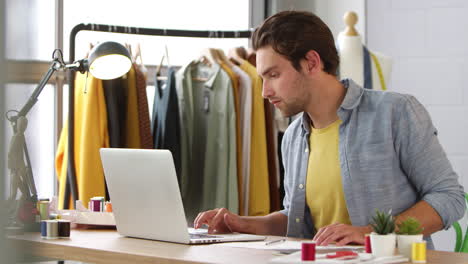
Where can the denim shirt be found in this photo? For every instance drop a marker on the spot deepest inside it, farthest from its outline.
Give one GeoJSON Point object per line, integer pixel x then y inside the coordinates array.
{"type": "Point", "coordinates": [390, 158]}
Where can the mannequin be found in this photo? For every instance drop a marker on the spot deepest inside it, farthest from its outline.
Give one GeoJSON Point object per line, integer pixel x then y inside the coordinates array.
{"type": "Point", "coordinates": [352, 58]}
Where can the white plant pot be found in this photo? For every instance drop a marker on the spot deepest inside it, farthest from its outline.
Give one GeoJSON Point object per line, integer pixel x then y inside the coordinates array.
{"type": "Point", "coordinates": [383, 245]}
{"type": "Point", "coordinates": [405, 243]}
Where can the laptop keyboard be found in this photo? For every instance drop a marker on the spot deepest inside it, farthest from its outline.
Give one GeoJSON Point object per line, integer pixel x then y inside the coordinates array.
{"type": "Point", "coordinates": [196, 236]}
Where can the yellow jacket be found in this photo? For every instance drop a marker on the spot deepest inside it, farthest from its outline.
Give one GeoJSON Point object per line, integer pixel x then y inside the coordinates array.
{"type": "Point", "coordinates": [91, 134]}
{"type": "Point", "coordinates": [259, 190]}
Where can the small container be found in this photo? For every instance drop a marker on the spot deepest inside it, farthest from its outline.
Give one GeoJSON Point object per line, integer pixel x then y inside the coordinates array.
{"type": "Point", "coordinates": [308, 251]}
{"type": "Point", "coordinates": [367, 244]}
{"type": "Point", "coordinates": [418, 252]}
{"type": "Point", "coordinates": [43, 209]}
{"type": "Point", "coordinates": [96, 205]}
{"type": "Point", "coordinates": [49, 229]}
{"type": "Point", "coordinates": [63, 228]}
{"type": "Point", "coordinates": [108, 207]}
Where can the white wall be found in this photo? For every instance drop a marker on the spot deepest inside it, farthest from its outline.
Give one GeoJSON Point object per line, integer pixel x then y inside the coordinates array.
{"type": "Point", "coordinates": [330, 11]}
{"type": "Point", "coordinates": [428, 42]}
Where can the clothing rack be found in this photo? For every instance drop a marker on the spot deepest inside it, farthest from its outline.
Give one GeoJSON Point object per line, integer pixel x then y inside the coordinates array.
{"type": "Point", "coordinates": [71, 185]}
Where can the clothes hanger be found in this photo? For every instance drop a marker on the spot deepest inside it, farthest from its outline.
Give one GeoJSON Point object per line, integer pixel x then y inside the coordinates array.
{"type": "Point", "coordinates": [129, 47]}
{"type": "Point", "coordinates": [167, 56]}
{"type": "Point", "coordinates": [252, 57]}
{"type": "Point", "coordinates": [237, 55]}
{"type": "Point", "coordinates": [137, 56]}
{"type": "Point", "coordinates": [210, 56]}
{"type": "Point", "coordinates": [223, 58]}
{"type": "Point", "coordinates": [91, 46]}
{"type": "Point", "coordinates": [158, 69]}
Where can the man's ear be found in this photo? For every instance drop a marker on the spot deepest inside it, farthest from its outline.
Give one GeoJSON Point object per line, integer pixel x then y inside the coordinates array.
{"type": "Point", "coordinates": [313, 62]}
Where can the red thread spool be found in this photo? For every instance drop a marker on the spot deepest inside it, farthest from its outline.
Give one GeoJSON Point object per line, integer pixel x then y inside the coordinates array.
{"type": "Point", "coordinates": [308, 251]}
{"type": "Point", "coordinates": [367, 244]}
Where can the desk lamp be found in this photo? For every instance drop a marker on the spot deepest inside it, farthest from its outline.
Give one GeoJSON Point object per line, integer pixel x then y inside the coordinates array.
{"type": "Point", "coordinates": [107, 60]}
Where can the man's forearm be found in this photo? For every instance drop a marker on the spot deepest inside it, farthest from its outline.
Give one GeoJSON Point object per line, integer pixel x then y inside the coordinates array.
{"type": "Point", "coordinates": [427, 216]}
{"type": "Point", "coordinates": [272, 224]}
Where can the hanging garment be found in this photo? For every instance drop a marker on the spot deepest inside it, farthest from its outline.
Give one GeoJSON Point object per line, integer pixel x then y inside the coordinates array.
{"type": "Point", "coordinates": [143, 111]}
{"type": "Point", "coordinates": [132, 119]}
{"type": "Point", "coordinates": [208, 139]}
{"type": "Point", "coordinates": [271, 135]}
{"type": "Point", "coordinates": [116, 104]}
{"type": "Point", "coordinates": [91, 134]}
{"type": "Point", "coordinates": [259, 198]}
{"type": "Point", "coordinates": [166, 122]}
{"type": "Point", "coordinates": [245, 116]}
{"type": "Point", "coordinates": [235, 89]}
{"type": "Point", "coordinates": [115, 96]}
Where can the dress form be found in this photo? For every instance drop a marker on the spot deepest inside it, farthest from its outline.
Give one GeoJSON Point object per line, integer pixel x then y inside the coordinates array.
{"type": "Point", "coordinates": [351, 52]}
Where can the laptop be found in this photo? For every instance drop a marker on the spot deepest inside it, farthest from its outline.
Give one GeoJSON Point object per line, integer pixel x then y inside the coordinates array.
{"type": "Point", "coordinates": [146, 199]}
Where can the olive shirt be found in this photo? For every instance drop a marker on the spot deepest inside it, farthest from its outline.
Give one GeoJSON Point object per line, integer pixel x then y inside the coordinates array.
{"type": "Point", "coordinates": [208, 139]}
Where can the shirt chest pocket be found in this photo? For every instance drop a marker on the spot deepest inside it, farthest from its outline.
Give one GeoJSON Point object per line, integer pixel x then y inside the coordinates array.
{"type": "Point", "coordinates": [377, 157]}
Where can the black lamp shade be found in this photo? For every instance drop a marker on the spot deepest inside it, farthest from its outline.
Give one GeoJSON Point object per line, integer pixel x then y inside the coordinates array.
{"type": "Point", "coordinates": [109, 60]}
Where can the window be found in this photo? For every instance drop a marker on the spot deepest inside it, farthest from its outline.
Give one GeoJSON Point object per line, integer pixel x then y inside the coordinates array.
{"type": "Point", "coordinates": [31, 34]}
{"type": "Point", "coordinates": [174, 14]}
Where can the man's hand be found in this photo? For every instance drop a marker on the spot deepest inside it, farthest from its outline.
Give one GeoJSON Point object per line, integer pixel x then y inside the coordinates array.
{"type": "Point", "coordinates": [222, 221]}
{"type": "Point", "coordinates": [341, 234]}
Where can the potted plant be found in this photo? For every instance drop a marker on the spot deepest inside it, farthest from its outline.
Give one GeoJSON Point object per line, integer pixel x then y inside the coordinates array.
{"type": "Point", "coordinates": [383, 239]}
{"type": "Point", "coordinates": [409, 231]}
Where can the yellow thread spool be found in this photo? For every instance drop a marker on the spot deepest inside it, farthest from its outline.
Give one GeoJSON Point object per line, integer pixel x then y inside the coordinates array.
{"type": "Point", "coordinates": [44, 209]}
{"type": "Point", "coordinates": [419, 252]}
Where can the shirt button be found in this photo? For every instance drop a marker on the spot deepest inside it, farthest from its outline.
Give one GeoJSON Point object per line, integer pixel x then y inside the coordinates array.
{"type": "Point", "coordinates": [298, 220]}
{"type": "Point", "coordinates": [301, 186]}
{"type": "Point", "coordinates": [306, 150]}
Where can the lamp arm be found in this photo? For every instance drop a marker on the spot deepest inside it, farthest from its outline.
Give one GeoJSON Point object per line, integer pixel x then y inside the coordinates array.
{"type": "Point", "coordinates": [56, 65]}
{"type": "Point", "coordinates": [28, 185]}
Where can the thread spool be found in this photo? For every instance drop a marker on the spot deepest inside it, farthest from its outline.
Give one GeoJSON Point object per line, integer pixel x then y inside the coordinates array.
{"type": "Point", "coordinates": [63, 228]}
{"type": "Point", "coordinates": [308, 251]}
{"type": "Point", "coordinates": [43, 229]}
{"type": "Point", "coordinates": [95, 205]}
{"type": "Point", "coordinates": [41, 200]}
{"type": "Point", "coordinates": [53, 229]}
{"type": "Point", "coordinates": [367, 244]}
{"type": "Point", "coordinates": [43, 209]}
{"type": "Point", "coordinates": [49, 229]}
{"type": "Point", "coordinates": [418, 252]}
{"type": "Point", "coordinates": [108, 207]}
{"type": "Point", "coordinates": [53, 216]}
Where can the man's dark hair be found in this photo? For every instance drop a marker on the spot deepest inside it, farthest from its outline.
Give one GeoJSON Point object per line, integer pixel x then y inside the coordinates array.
{"type": "Point", "coordinates": [293, 33]}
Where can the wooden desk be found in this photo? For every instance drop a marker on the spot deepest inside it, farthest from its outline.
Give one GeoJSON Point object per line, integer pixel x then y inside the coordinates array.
{"type": "Point", "coordinates": [107, 246]}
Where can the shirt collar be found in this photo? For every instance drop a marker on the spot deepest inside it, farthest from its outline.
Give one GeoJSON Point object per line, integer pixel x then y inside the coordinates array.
{"type": "Point", "coordinates": [215, 69]}
{"type": "Point", "coordinates": [195, 63]}
{"type": "Point", "coordinates": [353, 94]}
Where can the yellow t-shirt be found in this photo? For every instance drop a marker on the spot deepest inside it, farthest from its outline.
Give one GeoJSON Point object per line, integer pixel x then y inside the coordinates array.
{"type": "Point", "coordinates": [324, 189]}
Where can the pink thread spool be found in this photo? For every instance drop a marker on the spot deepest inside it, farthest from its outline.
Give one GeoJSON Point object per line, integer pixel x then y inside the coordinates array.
{"type": "Point", "coordinates": [367, 244]}
{"type": "Point", "coordinates": [308, 251]}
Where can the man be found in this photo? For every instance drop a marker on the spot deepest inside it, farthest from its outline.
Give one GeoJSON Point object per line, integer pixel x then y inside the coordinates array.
{"type": "Point", "coordinates": [353, 151]}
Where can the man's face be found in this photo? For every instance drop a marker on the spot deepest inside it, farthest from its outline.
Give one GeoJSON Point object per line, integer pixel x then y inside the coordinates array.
{"type": "Point", "coordinates": [283, 85]}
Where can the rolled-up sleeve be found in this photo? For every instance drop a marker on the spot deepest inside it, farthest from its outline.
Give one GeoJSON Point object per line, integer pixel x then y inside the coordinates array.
{"type": "Point", "coordinates": [425, 162]}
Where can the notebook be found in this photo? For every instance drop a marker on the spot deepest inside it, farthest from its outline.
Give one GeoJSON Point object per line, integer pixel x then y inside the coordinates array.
{"type": "Point", "coordinates": [146, 200]}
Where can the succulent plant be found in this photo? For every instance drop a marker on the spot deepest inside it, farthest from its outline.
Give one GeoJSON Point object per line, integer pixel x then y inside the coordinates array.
{"type": "Point", "coordinates": [383, 223]}
{"type": "Point", "coordinates": [410, 226]}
